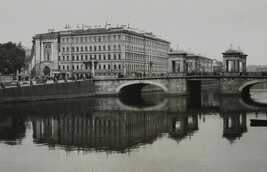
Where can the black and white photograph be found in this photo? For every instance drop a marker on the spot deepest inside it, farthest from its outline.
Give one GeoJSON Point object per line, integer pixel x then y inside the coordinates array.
{"type": "Point", "coordinates": [133, 85]}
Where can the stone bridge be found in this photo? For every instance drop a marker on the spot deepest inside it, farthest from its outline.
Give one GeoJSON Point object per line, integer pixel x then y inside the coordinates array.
{"type": "Point", "coordinates": [179, 85]}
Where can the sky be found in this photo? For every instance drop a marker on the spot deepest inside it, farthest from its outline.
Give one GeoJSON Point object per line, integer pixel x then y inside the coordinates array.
{"type": "Point", "coordinates": [207, 27]}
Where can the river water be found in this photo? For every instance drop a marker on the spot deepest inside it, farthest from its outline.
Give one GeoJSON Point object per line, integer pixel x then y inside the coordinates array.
{"type": "Point", "coordinates": [155, 133]}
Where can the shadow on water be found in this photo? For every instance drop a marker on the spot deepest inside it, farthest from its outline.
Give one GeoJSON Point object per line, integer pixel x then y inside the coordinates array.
{"type": "Point", "coordinates": [256, 98]}
{"type": "Point", "coordinates": [120, 124]}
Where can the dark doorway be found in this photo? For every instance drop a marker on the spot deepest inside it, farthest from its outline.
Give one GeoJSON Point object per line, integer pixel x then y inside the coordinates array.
{"type": "Point", "coordinates": [46, 70]}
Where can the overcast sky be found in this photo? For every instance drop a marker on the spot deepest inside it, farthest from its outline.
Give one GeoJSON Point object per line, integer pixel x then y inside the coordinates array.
{"type": "Point", "coordinates": [207, 27]}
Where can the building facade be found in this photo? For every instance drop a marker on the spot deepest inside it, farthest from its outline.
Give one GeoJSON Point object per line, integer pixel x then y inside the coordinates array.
{"type": "Point", "coordinates": [187, 62]}
{"type": "Point", "coordinates": [99, 51]}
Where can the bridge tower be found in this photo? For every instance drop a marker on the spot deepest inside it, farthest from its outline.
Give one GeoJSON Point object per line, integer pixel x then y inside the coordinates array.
{"type": "Point", "coordinates": [177, 61]}
{"type": "Point", "coordinates": [234, 61]}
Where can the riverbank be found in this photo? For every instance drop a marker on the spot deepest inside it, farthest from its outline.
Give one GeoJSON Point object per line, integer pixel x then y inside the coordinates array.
{"type": "Point", "coordinates": [48, 91]}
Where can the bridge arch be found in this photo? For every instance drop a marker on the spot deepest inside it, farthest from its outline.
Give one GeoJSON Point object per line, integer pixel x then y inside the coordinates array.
{"type": "Point", "coordinates": [244, 88]}
{"type": "Point", "coordinates": [141, 82]}
{"type": "Point", "coordinates": [249, 84]}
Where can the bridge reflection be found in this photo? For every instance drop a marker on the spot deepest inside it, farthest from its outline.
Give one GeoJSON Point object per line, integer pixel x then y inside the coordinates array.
{"type": "Point", "coordinates": [108, 124]}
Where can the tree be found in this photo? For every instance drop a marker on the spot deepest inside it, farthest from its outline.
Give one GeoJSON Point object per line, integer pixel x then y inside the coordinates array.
{"type": "Point", "coordinates": [12, 58]}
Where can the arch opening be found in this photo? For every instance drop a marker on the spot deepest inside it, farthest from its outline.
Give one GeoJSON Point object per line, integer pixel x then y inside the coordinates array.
{"type": "Point", "coordinates": [253, 92]}
{"type": "Point", "coordinates": [143, 94]}
{"type": "Point", "coordinates": [46, 71]}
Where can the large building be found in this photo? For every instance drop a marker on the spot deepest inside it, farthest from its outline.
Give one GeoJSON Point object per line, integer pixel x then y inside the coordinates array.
{"type": "Point", "coordinates": [99, 51]}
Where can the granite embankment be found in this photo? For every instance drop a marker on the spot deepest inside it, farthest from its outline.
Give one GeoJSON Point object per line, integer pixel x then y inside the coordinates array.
{"type": "Point", "coordinates": [47, 91]}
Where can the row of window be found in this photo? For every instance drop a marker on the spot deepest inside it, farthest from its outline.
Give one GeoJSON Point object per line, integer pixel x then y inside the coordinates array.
{"type": "Point", "coordinates": [92, 48]}
{"type": "Point", "coordinates": [152, 43]}
{"type": "Point", "coordinates": [90, 57]}
{"type": "Point", "coordinates": [101, 38]}
{"type": "Point", "coordinates": [86, 67]}
{"type": "Point", "coordinates": [102, 66]}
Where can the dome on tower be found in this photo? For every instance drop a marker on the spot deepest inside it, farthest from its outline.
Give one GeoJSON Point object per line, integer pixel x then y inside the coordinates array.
{"type": "Point", "coordinates": [231, 49]}
{"type": "Point", "coordinates": [177, 50]}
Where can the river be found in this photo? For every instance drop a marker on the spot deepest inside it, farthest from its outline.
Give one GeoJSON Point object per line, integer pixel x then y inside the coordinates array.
{"type": "Point", "coordinates": [155, 133]}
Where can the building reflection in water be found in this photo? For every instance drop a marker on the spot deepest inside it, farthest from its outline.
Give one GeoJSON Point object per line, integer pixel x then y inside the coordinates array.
{"type": "Point", "coordinates": [12, 129]}
{"type": "Point", "coordinates": [110, 130]}
{"type": "Point", "coordinates": [104, 124]}
{"type": "Point", "coordinates": [234, 125]}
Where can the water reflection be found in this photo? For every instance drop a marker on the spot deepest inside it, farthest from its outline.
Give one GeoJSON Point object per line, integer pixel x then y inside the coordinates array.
{"type": "Point", "coordinates": [111, 124]}
{"type": "Point", "coordinates": [12, 129]}
{"type": "Point", "coordinates": [234, 125]}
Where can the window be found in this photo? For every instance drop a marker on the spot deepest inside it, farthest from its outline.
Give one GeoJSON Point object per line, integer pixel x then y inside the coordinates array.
{"type": "Point", "coordinates": [86, 57]}
{"type": "Point", "coordinates": [67, 58]}
{"type": "Point", "coordinates": [86, 48]}
{"type": "Point", "coordinates": [90, 48]}
{"type": "Point", "coordinates": [63, 49]}
{"type": "Point", "coordinates": [77, 57]}
{"type": "Point", "coordinates": [77, 67]}
{"type": "Point", "coordinates": [99, 39]}
{"type": "Point", "coordinates": [77, 48]}
{"type": "Point", "coordinates": [104, 47]}
{"type": "Point", "coordinates": [81, 49]}
{"type": "Point", "coordinates": [104, 66]}
{"type": "Point", "coordinates": [99, 48]}
{"type": "Point", "coordinates": [63, 67]}
{"type": "Point", "coordinates": [94, 48]}
{"type": "Point", "coordinates": [114, 56]}
{"type": "Point", "coordinates": [72, 57]}
{"type": "Point", "coordinates": [109, 56]}
{"type": "Point", "coordinates": [67, 49]}
{"type": "Point", "coordinates": [104, 57]}
{"type": "Point", "coordinates": [67, 67]}
{"type": "Point", "coordinates": [119, 56]}
{"type": "Point", "coordinates": [99, 57]}
{"type": "Point", "coordinates": [81, 57]}
{"type": "Point", "coordinates": [114, 47]}
{"type": "Point", "coordinates": [109, 47]}
{"type": "Point", "coordinates": [58, 58]}
{"type": "Point", "coordinates": [63, 58]}
{"type": "Point", "coordinates": [119, 46]}
{"type": "Point", "coordinates": [114, 66]}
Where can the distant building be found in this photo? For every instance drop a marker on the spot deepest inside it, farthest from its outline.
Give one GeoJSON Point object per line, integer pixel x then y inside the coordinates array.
{"type": "Point", "coordinates": [99, 51]}
{"type": "Point", "coordinates": [187, 62]}
{"type": "Point", "coordinates": [217, 66]}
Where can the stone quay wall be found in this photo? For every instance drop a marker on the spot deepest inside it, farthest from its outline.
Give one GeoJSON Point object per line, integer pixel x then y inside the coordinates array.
{"type": "Point", "coordinates": [47, 91]}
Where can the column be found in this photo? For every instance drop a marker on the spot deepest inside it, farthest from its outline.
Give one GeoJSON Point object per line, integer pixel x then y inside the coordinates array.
{"type": "Point", "coordinates": [52, 51]}
{"type": "Point", "coordinates": [236, 66]}
{"type": "Point", "coordinates": [244, 67]}
{"type": "Point", "coordinates": [182, 66]}
{"type": "Point", "coordinates": [42, 51]}
{"type": "Point", "coordinates": [225, 65]}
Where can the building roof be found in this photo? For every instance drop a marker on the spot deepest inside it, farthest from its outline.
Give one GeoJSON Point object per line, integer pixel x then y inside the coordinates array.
{"type": "Point", "coordinates": [96, 31]}
{"type": "Point", "coordinates": [177, 51]}
{"type": "Point", "coordinates": [232, 50]}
